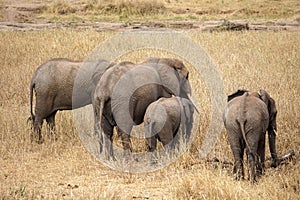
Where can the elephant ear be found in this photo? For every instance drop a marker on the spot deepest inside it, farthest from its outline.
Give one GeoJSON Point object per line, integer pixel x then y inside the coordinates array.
{"type": "Point", "coordinates": [236, 94]}
{"type": "Point", "coordinates": [169, 79]}
{"type": "Point", "coordinates": [176, 64]}
{"type": "Point", "coordinates": [100, 68]}
{"type": "Point", "coordinates": [173, 63]}
{"type": "Point", "coordinates": [265, 97]}
{"type": "Point", "coordinates": [270, 102]}
{"type": "Point", "coordinates": [182, 74]}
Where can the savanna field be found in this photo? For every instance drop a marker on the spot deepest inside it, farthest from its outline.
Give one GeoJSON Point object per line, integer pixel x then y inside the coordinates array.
{"type": "Point", "coordinates": [64, 169]}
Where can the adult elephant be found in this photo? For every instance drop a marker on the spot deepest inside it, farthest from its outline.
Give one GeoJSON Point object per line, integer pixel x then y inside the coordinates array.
{"type": "Point", "coordinates": [247, 117]}
{"type": "Point", "coordinates": [62, 84]}
{"type": "Point", "coordinates": [163, 119]}
{"type": "Point", "coordinates": [125, 91]}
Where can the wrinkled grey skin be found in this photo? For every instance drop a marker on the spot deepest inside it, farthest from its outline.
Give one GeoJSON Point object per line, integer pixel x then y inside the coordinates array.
{"type": "Point", "coordinates": [124, 105]}
{"type": "Point", "coordinates": [53, 83]}
{"type": "Point", "coordinates": [247, 117]}
{"type": "Point", "coordinates": [163, 119]}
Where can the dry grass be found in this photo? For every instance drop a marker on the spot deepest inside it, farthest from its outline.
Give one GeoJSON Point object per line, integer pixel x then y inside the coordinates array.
{"type": "Point", "coordinates": [192, 10]}
{"type": "Point", "coordinates": [65, 170]}
{"type": "Point", "coordinates": [162, 10]}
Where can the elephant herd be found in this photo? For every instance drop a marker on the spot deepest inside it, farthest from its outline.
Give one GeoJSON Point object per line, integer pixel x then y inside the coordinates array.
{"type": "Point", "coordinates": [157, 92]}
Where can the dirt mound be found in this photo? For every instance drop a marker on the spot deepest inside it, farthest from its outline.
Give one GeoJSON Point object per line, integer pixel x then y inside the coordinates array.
{"type": "Point", "coordinates": [20, 13]}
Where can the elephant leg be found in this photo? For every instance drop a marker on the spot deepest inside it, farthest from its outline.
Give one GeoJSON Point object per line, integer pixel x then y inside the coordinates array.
{"type": "Point", "coordinates": [42, 110]}
{"type": "Point", "coordinates": [238, 167]}
{"type": "Point", "coordinates": [261, 154]}
{"type": "Point", "coordinates": [37, 133]}
{"type": "Point", "coordinates": [272, 146]}
{"type": "Point", "coordinates": [252, 160]}
{"type": "Point", "coordinates": [126, 142]}
{"type": "Point", "coordinates": [107, 139]}
{"type": "Point", "coordinates": [166, 137]}
{"type": "Point", "coordinates": [253, 139]}
{"type": "Point", "coordinates": [97, 127]}
{"type": "Point", "coordinates": [51, 125]}
{"type": "Point", "coordinates": [151, 143]}
{"type": "Point", "coordinates": [237, 147]}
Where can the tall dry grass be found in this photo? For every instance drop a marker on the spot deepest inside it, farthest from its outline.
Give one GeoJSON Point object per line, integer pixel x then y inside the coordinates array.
{"type": "Point", "coordinates": [145, 10]}
{"type": "Point", "coordinates": [64, 169]}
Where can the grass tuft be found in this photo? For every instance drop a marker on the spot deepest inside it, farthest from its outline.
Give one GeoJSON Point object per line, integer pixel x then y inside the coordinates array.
{"type": "Point", "coordinates": [60, 7]}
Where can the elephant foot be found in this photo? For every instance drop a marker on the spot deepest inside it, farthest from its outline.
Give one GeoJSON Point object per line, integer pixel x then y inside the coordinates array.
{"type": "Point", "coordinates": [153, 159]}
{"type": "Point", "coordinates": [111, 158]}
{"type": "Point", "coordinates": [108, 154]}
{"type": "Point", "coordinates": [127, 155]}
{"type": "Point", "coordinates": [153, 162]}
{"type": "Point", "coordinates": [276, 162]}
{"type": "Point", "coordinates": [239, 177]}
{"type": "Point", "coordinates": [52, 137]}
{"type": "Point", "coordinates": [36, 138]}
{"type": "Point", "coordinates": [41, 141]}
{"type": "Point", "coordinates": [253, 180]}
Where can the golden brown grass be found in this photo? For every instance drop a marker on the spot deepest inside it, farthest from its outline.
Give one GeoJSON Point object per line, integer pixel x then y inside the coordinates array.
{"type": "Point", "coordinates": [181, 10]}
{"type": "Point", "coordinates": [162, 10]}
{"type": "Point", "coordinates": [65, 170]}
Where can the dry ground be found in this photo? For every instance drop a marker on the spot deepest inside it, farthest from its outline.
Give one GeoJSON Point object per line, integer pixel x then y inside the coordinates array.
{"type": "Point", "coordinates": [120, 14]}
{"type": "Point", "coordinates": [65, 170]}
{"type": "Point", "coordinates": [145, 10]}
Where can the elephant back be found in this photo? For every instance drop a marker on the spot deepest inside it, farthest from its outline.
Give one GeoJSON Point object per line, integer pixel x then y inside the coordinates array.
{"type": "Point", "coordinates": [55, 78]}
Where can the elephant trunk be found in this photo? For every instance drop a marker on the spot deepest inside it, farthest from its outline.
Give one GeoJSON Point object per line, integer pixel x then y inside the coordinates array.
{"type": "Point", "coordinates": [32, 117]}
{"type": "Point", "coordinates": [183, 122]}
{"type": "Point", "coordinates": [272, 146]}
{"type": "Point", "coordinates": [193, 103]}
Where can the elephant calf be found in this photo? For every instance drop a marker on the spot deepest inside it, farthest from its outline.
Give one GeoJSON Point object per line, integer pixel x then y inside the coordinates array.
{"type": "Point", "coordinates": [163, 118]}
{"type": "Point", "coordinates": [247, 117]}
{"type": "Point", "coordinates": [62, 84]}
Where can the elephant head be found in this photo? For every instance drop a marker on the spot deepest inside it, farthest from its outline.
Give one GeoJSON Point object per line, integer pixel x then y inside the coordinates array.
{"type": "Point", "coordinates": [171, 62]}
{"type": "Point", "coordinates": [272, 127]}
{"type": "Point", "coordinates": [174, 77]}
{"type": "Point", "coordinates": [270, 102]}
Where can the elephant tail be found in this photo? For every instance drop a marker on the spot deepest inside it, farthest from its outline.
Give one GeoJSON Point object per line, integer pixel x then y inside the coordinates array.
{"type": "Point", "coordinates": [32, 116]}
{"type": "Point", "coordinates": [242, 125]}
{"type": "Point", "coordinates": [101, 107]}
{"type": "Point", "coordinates": [242, 121]}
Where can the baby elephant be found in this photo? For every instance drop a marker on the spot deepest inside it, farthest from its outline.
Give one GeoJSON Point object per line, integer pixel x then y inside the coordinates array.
{"type": "Point", "coordinates": [163, 118]}
{"type": "Point", "coordinates": [247, 117]}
